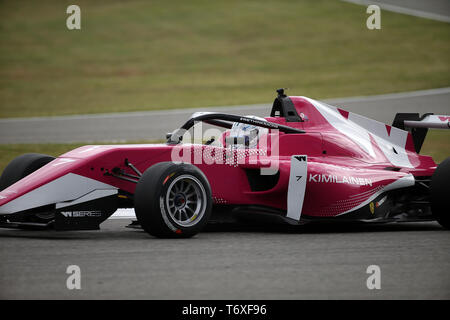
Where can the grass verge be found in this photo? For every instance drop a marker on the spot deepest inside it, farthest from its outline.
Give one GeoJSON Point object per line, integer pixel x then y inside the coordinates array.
{"type": "Point", "coordinates": [143, 55]}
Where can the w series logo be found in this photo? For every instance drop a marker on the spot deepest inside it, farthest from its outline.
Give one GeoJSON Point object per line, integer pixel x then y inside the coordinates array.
{"type": "Point", "coordinates": [81, 214]}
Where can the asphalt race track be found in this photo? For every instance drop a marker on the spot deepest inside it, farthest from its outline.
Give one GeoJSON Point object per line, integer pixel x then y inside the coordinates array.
{"type": "Point", "coordinates": [153, 125]}
{"type": "Point", "coordinates": [229, 262]}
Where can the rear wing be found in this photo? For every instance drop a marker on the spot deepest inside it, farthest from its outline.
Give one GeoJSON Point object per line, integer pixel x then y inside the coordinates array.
{"type": "Point", "coordinates": [418, 125]}
{"type": "Point", "coordinates": [429, 121]}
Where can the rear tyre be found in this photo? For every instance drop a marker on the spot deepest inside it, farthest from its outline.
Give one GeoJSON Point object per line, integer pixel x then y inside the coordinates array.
{"type": "Point", "coordinates": [22, 166]}
{"type": "Point", "coordinates": [173, 200]}
{"type": "Point", "coordinates": [440, 192]}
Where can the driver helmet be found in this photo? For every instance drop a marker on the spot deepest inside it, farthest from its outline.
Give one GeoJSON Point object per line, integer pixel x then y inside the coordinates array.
{"type": "Point", "coordinates": [244, 135]}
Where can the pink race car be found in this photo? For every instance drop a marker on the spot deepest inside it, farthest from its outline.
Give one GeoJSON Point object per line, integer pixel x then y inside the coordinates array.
{"type": "Point", "coordinates": [308, 161]}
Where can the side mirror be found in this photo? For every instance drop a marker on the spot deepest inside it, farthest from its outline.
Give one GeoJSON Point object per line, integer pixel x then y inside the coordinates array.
{"type": "Point", "coordinates": [175, 137]}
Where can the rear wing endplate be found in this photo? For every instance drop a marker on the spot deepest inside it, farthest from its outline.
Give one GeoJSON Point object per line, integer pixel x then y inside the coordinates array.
{"type": "Point", "coordinates": [419, 125]}
{"type": "Point", "coordinates": [429, 121]}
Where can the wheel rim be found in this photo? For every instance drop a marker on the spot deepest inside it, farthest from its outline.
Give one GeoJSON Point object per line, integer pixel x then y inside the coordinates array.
{"type": "Point", "coordinates": [186, 200]}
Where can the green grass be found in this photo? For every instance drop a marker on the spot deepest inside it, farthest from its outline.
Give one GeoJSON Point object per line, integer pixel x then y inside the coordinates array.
{"type": "Point", "coordinates": [437, 145]}
{"type": "Point", "coordinates": [143, 55]}
{"type": "Point", "coordinates": [9, 151]}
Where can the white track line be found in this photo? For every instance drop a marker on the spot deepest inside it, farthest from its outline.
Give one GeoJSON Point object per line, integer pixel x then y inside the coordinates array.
{"type": "Point", "coordinates": [116, 115]}
{"type": "Point", "coordinates": [123, 214]}
{"type": "Point", "coordinates": [399, 95]}
{"type": "Point", "coordinates": [403, 10]}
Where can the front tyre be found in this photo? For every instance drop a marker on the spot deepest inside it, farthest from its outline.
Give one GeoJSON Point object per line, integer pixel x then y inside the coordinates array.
{"type": "Point", "coordinates": [22, 166]}
{"type": "Point", "coordinates": [173, 200]}
{"type": "Point", "coordinates": [440, 186]}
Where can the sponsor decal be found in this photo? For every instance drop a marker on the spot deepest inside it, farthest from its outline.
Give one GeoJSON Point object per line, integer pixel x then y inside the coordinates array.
{"type": "Point", "coordinates": [259, 122]}
{"type": "Point", "coordinates": [297, 186]}
{"type": "Point", "coordinates": [379, 203]}
{"type": "Point", "coordinates": [164, 215]}
{"type": "Point", "coordinates": [445, 119]}
{"type": "Point", "coordinates": [81, 214]}
{"type": "Point", "coordinates": [372, 208]}
{"type": "Point", "coordinates": [329, 178]}
{"type": "Point", "coordinates": [168, 177]}
{"type": "Point", "coordinates": [304, 116]}
{"type": "Point", "coordinates": [300, 158]}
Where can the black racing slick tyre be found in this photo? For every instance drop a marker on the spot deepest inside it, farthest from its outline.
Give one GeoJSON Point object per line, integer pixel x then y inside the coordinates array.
{"type": "Point", "coordinates": [22, 166]}
{"type": "Point", "coordinates": [440, 192]}
{"type": "Point", "coordinates": [173, 200]}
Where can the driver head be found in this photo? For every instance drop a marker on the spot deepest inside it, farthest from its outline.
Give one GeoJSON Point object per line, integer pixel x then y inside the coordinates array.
{"type": "Point", "coordinates": [245, 136]}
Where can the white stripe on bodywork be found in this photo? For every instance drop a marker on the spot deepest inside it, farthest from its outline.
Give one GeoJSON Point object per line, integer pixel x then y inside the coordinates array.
{"type": "Point", "coordinates": [297, 186]}
{"type": "Point", "coordinates": [359, 129]}
{"type": "Point", "coordinates": [387, 142]}
{"type": "Point", "coordinates": [66, 188]}
{"type": "Point", "coordinates": [403, 182]}
{"type": "Point", "coordinates": [349, 128]}
{"type": "Point", "coordinates": [96, 194]}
